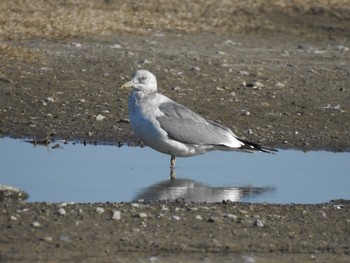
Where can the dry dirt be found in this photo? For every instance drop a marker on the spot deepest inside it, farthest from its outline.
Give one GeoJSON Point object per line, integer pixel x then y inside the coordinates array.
{"type": "Point", "coordinates": [275, 73]}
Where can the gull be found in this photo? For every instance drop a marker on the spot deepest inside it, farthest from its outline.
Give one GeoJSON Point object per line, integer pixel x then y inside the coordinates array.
{"type": "Point", "coordinates": [171, 128]}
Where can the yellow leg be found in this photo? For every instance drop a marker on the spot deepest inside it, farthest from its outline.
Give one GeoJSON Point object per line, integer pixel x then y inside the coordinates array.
{"type": "Point", "coordinates": [172, 167]}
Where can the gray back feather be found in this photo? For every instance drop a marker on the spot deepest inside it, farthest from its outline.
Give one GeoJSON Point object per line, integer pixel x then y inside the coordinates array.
{"type": "Point", "coordinates": [186, 126]}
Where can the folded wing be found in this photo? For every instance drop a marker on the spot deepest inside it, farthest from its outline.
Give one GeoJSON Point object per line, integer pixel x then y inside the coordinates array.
{"type": "Point", "coordinates": [184, 125]}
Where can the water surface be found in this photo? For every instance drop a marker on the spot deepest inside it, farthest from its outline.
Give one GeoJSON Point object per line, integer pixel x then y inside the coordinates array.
{"type": "Point", "coordinates": [78, 173]}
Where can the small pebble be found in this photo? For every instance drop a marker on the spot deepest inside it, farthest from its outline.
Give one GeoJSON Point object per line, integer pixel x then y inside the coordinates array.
{"type": "Point", "coordinates": [285, 53]}
{"type": "Point", "coordinates": [124, 120]}
{"type": "Point", "coordinates": [280, 85]}
{"type": "Point", "coordinates": [22, 210]}
{"type": "Point", "coordinates": [198, 217]}
{"type": "Point", "coordinates": [146, 61]}
{"type": "Point", "coordinates": [47, 238]}
{"type": "Point", "coordinates": [220, 89]}
{"type": "Point", "coordinates": [338, 206]}
{"type": "Point", "coordinates": [116, 46]}
{"type": "Point", "coordinates": [36, 224]}
{"type": "Point", "coordinates": [165, 208]}
{"type": "Point", "coordinates": [323, 214]}
{"type": "Point", "coordinates": [100, 117]}
{"type": "Point", "coordinates": [61, 211]}
{"type": "Point", "coordinates": [177, 218]}
{"type": "Point", "coordinates": [214, 219]}
{"type": "Point", "coordinates": [153, 259]}
{"type": "Point", "coordinates": [100, 210]}
{"type": "Point", "coordinates": [258, 223]}
{"type": "Point", "coordinates": [159, 216]}
{"type": "Point", "coordinates": [248, 259]}
{"type": "Point", "coordinates": [75, 44]}
{"type": "Point", "coordinates": [229, 42]}
{"type": "Point", "coordinates": [136, 205]}
{"type": "Point", "coordinates": [254, 84]}
{"type": "Point", "coordinates": [116, 215]}
{"type": "Point", "coordinates": [46, 68]}
{"type": "Point", "coordinates": [306, 47]}
{"type": "Point", "coordinates": [243, 72]}
{"type": "Point", "coordinates": [258, 84]}
{"type": "Point", "coordinates": [142, 215]}
{"type": "Point", "coordinates": [342, 48]}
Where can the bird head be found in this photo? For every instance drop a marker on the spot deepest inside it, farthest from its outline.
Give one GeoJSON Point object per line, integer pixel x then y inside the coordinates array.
{"type": "Point", "coordinates": [143, 81]}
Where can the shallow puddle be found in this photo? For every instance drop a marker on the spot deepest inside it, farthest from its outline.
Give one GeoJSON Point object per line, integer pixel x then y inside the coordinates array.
{"type": "Point", "coordinates": [78, 173]}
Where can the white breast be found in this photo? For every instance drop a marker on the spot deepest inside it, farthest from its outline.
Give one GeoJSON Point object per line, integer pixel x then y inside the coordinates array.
{"type": "Point", "coordinates": [147, 128]}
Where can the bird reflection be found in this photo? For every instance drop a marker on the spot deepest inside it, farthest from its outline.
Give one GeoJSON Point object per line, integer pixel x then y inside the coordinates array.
{"type": "Point", "coordinates": [192, 191]}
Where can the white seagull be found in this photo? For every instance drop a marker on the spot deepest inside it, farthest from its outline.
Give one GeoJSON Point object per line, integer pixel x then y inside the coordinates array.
{"type": "Point", "coordinates": [173, 129]}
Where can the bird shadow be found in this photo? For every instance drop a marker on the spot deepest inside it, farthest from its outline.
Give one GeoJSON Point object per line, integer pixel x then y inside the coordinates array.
{"type": "Point", "coordinates": [191, 191]}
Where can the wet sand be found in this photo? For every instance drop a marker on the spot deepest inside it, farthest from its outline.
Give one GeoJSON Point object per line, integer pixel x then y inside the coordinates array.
{"type": "Point", "coordinates": [277, 75]}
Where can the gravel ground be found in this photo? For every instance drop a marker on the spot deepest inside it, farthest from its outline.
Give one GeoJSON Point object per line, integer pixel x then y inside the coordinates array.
{"type": "Point", "coordinates": [278, 91]}
{"type": "Point", "coordinates": [275, 73]}
{"type": "Point", "coordinates": [174, 232]}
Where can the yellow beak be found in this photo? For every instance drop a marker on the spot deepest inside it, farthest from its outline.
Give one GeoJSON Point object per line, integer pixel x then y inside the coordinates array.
{"type": "Point", "coordinates": [127, 85]}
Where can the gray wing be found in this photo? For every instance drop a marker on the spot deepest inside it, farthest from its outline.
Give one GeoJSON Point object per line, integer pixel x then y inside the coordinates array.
{"type": "Point", "coordinates": [186, 126]}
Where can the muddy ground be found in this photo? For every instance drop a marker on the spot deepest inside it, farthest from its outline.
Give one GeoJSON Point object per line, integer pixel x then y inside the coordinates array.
{"type": "Point", "coordinates": [174, 232]}
{"type": "Point", "coordinates": [279, 91]}
{"type": "Point", "coordinates": [275, 74]}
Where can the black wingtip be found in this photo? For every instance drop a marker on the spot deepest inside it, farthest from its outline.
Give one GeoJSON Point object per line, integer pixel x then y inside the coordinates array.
{"type": "Point", "coordinates": [252, 147]}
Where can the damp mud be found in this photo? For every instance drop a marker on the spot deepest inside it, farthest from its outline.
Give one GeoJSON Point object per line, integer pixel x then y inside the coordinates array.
{"type": "Point", "coordinates": [277, 74]}
{"type": "Point", "coordinates": [174, 232]}
{"type": "Point", "coordinates": [281, 80]}
{"type": "Point", "coordinates": [277, 91]}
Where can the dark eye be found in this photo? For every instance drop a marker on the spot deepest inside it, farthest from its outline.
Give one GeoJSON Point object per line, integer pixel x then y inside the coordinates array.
{"type": "Point", "coordinates": [143, 78]}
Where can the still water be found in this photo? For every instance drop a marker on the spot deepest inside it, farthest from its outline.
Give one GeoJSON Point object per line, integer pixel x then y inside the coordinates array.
{"type": "Point", "coordinates": [78, 173]}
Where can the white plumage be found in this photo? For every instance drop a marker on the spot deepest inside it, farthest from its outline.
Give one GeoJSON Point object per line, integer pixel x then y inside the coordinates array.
{"type": "Point", "coordinates": [173, 129]}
